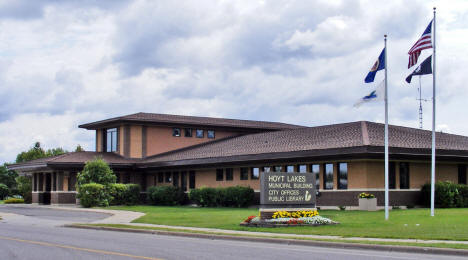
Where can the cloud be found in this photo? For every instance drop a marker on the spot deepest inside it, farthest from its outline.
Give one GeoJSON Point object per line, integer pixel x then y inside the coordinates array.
{"type": "Point", "coordinates": [64, 63]}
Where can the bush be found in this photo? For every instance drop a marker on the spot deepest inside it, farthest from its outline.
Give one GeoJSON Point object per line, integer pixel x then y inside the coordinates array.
{"type": "Point", "coordinates": [93, 194]}
{"type": "Point", "coordinates": [4, 191]}
{"type": "Point", "coordinates": [13, 201]}
{"type": "Point", "coordinates": [117, 191]}
{"type": "Point", "coordinates": [24, 188]}
{"type": "Point", "coordinates": [96, 171]}
{"type": "Point", "coordinates": [447, 195]}
{"type": "Point", "coordinates": [166, 195]}
{"type": "Point", "coordinates": [133, 194]}
{"type": "Point", "coordinates": [237, 196]}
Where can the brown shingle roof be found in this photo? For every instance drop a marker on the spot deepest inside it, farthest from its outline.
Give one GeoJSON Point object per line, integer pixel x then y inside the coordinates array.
{"type": "Point", "coordinates": [190, 120]}
{"type": "Point", "coordinates": [336, 136]}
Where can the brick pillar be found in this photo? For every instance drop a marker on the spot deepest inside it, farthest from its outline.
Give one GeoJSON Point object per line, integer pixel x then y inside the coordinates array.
{"type": "Point", "coordinates": [60, 181]}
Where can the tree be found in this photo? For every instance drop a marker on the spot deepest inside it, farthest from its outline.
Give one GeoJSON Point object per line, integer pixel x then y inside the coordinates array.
{"type": "Point", "coordinates": [24, 187]}
{"type": "Point", "coordinates": [79, 149]}
{"type": "Point", "coordinates": [96, 171]}
{"type": "Point", "coordinates": [7, 177]}
{"type": "Point", "coordinates": [36, 152]}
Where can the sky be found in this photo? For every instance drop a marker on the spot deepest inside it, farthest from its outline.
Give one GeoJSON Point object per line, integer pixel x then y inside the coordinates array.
{"type": "Point", "coordinates": [65, 63]}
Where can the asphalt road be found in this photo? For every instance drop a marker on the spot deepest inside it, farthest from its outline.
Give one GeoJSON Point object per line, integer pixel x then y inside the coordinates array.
{"type": "Point", "coordinates": [34, 233]}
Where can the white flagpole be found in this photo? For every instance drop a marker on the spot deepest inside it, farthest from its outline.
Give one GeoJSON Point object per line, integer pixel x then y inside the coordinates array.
{"type": "Point", "coordinates": [386, 132]}
{"type": "Point", "coordinates": [433, 115]}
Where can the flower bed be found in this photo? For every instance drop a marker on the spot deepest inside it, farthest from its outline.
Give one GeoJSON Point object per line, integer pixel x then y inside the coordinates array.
{"type": "Point", "coordinates": [316, 220]}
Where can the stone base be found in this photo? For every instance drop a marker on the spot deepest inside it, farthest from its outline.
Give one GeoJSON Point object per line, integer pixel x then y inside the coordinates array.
{"type": "Point", "coordinates": [368, 204]}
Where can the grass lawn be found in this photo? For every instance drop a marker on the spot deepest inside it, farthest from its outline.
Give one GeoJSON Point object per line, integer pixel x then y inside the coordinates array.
{"type": "Point", "coordinates": [448, 224]}
{"type": "Point", "coordinates": [1, 201]}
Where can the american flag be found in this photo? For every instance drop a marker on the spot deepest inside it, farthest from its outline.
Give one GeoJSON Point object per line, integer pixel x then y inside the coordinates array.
{"type": "Point", "coordinates": [425, 42]}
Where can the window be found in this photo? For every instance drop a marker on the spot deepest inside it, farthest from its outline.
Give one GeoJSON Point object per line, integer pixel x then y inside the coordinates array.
{"type": "Point", "coordinates": [111, 138]}
{"type": "Point", "coordinates": [302, 168]}
{"type": "Point", "coordinates": [278, 168]}
{"type": "Point", "coordinates": [255, 174]}
{"type": "Point", "coordinates": [192, 179]}
{"type": "Point", "coordinates": [168, 178]}
{"type": "Point", "coordinates": [289, 168]}
{"type": "Point", "coordinates": [219, 174]}
{"type": "Point", "coordinates": [404, 175]}
{"type": "Point", "coordinates": [391, 175]}
{"type": "Point", "coordinates": [160, 177]}
{"type": "Point", "coordinates": [315, 169]}
{"type": "Point", "coordinates": [175, 179]}
{"type": "Point", "coordinates": [342, 176]}
{"type": "Point", "coordinates": [200, 133]}
{"type": "Point", "coordinates": [183, 180]}
{"type": "Point", "coordinates": [244, 174]}
{"type": "Point", "coordinates": [210, 134]}
{"type": "Point", "coordinates": [266, 169]}
{"type": "Point", "coordinates": [188, 132]}
{"type": "Point", "coordinates": [328, 177]}
{"type": "Point", "coordinates": [229, 174]}
{"type": "Point", "coordinates": [176, 132]}
{"type": "Point", "coordinates": [461, 174]}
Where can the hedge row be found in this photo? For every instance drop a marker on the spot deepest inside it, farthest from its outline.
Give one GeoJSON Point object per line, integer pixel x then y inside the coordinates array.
{"type": "Point", "coordinates": [447, 195]}
{"type": "Point", "coordinates": [166, 195]}
{"type": "Point", "coordinates": [98, 195]}
{"type": "Point", "coordinates": [237, 196]}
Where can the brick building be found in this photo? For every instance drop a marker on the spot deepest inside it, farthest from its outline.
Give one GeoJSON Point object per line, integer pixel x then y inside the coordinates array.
{"type": "Point", "coordinates": [192, 152]}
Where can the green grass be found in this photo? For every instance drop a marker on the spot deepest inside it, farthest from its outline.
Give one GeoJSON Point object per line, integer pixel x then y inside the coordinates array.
{"type": "Point", "coordinates": [1, 202]}
{"type": "Point", "coordinates": [437, 245]}
{"type": "Point", "coordinates": [448, 224]}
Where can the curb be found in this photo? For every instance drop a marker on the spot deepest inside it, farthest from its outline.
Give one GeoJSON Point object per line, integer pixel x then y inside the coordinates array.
{"type": "Point", "coordinates": [340, 245]}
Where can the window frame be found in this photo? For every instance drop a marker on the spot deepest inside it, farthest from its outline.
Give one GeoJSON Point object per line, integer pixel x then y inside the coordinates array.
{"type": "Point", "coordinates": [219, 174]}
{"type": "Point", "coordinates": [403, 185]}
{"type": "Point", "coordinates": [254, 175]}
{"type": "Point", "coordinates": [167, 177]}
{"type": "Point", "coordinates": [176, 132]}
{"type": "Point", "coordinates": [288, 167]}
{"type": "Point", "coordinates": [317, 174]}
{"type": "Point", "coordinates": [192, 179]}
{"type": "Point", "coordinates": [208, 134]}
{"type": "Point", "coordinates": [160, 177]}
{"type": "Point", "coordinates": [244, 173]}
{"type": "Point", "coordinates": [326, 178]}
{"type": "Point", "coordinates": [304, 166]}
{"type": "Point", "coordinates": [229, 174]}
{"type": "Point", "coordinates": [188, 132]}
{"type": "Point", "coordinates": [341, 177]}
{"type": "Point", "coordinates": [114, 140]}
{"type": "Point", "coordinates": [202, 133]}
{"type": "Point", "coordinates": [462, 174]}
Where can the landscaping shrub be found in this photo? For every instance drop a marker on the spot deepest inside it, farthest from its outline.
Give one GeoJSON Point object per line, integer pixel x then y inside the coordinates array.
{"type": "Point", "coordinates": [93, 194]}
{"type": "Point", "coordinates": [447, 195]}
{"type": "Point", "coordinates": [96, 171]}
{"type": "Point", "coordinates": [13, 201]}
{"type": "Point", "coordinates": [237, 196]}
{"type": "Point", "coordinates": [124, 194]}
{"type": "Point", "coordinates": [24, 188]}
{"type": "Point", "coordinates": [4, 191]}
{"type": "Point", "coordinates": [166, 195]}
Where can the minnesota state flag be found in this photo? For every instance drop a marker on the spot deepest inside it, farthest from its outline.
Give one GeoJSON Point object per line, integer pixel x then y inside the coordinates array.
{"type": "Point", "coordinates": [378, 65]}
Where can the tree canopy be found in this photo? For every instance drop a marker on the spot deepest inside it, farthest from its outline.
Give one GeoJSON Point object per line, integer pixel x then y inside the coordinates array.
{"type": "Point", "coordinates": [7, 177]}
{"type": "Point", "coordinates": [37, 152]}
{"type": "Point", "coordinates": [96, 171]}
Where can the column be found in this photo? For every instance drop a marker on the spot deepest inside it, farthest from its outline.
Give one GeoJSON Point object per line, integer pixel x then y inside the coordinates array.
{"type": "Point", "coordinates": [60, 181]}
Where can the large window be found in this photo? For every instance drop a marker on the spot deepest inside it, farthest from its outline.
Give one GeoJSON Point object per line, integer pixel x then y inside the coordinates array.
{"type": "Point", "coordinates": [342, 176]}
{"type": "Point", "coordinates": [229, 174]}
{"type": "Point", "coordinates": [167, 177]}
{"type": "Point", "coordinates": [315, 169]}
{"type": "Point", "coordinates": [255, 174]}
{"type": "Point", "coordinates": [210, 134]}
{"type": "Point", "coordinates": [391, 175]}
{"type": "Point", "coordinates": [188, 132]}
{"type": "Point", "coordinates": [176, 132]}
{"type": "Point", "coordinates": [302, 168]}
{"type": "Point", "coordinates": [200, 133]}
{"type": "Point", "coordinates": [244, 174]}
{"type": "Point", "coordinates": [192, 179]}
{"type": "Point", "coordinates": [111, 138]}
{"type": "Point", "coordinates": [290, 168]}
{"type": "Point", "coordinates": [461, 174]}
{"type": "Point", "coordinates": [183, 180]}
{"type": "Point", "coordinates": [277, 168]}
{"type": "Point", "coordinates": [404, 175]}
{"type": "Point", "coordinates": [175, 179]}
{"type": "Point", "coordinates": [328, 177]}
{"type": "Point", "coordinates": [219, 174]}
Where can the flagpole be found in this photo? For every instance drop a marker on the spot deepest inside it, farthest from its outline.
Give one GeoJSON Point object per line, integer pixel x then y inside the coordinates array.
{"type": "Point", "coordinates": [386, 132]}
{"type": "Point", "coordinates": [433, 116]}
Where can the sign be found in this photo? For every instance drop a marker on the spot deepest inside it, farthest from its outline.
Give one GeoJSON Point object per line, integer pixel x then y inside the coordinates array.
{"type": "Point", "coordinates": [287, 189]}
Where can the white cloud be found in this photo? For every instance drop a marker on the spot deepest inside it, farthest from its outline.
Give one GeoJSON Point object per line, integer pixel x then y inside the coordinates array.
{"type": "Point", "coordinates": [71, 62]}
